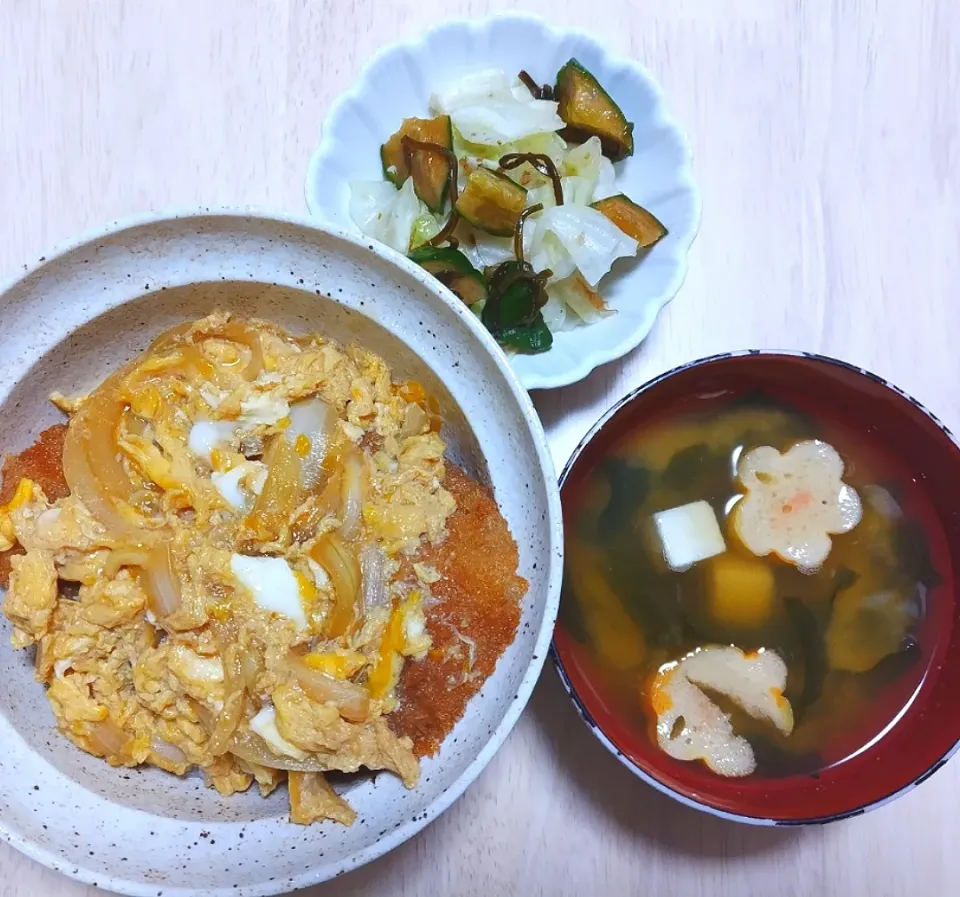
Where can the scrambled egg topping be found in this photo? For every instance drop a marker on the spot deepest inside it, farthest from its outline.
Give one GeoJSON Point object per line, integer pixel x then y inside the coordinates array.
{"type": "Point", "coordinates": [220, 589]}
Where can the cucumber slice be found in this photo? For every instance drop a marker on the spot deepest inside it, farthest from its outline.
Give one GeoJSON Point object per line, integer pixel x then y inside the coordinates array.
{"type": "Point", "coordinates": [430, 171]}
{"type": "Point", "coordinates": [589, 112]}
{"type": "Point", "coordinates": [453, 269]}
{"type": "Point", "coordinates": [635, 221]}
{"type": "Point", "coordinates": [532, 338]}
{"type": "Point", "coordinates": [491, 202]}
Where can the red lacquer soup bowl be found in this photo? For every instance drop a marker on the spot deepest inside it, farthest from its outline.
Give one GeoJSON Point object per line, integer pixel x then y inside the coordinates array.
{"type": "Point", "coordinates": [913, 741]}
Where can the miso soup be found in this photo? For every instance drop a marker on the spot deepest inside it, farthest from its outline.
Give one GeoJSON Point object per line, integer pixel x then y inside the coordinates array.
{"type": "Point", "coordinates": [719, 641]}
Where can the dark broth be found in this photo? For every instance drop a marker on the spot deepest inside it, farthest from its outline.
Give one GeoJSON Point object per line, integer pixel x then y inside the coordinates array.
{"type": "Point", "coordinates": [633, 614]}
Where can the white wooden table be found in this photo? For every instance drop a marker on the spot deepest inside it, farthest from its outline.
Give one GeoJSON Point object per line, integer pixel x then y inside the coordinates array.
{"type": "Point", "coordinates": [827, 146]}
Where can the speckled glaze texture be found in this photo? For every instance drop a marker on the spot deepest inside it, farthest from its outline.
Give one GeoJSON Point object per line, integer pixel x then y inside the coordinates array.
{"type": "Point", "coordinates": [77, 316]}
{"type": "Point", "coordinates": [397, 84]}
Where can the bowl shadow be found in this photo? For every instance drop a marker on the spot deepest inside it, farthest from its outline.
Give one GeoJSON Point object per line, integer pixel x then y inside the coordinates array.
{"type": "Point", "coordinates": [636, 807]}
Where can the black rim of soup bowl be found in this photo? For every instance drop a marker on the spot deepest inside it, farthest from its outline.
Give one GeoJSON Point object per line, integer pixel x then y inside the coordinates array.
{"type": "Point", "coordinates": [578, 703]}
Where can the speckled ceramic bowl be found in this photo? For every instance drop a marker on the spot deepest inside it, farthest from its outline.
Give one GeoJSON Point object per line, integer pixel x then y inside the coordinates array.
{"type": "Point", "coordinates": [77, 316]}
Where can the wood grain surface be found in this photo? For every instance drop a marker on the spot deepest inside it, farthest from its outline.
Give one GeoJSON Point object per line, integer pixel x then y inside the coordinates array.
{"type": "Point", "coordinates": [826, 136]}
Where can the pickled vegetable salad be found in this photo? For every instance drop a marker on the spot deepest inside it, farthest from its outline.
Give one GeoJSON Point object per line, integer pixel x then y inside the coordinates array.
{"type": "Point", "coordinates": [508, 196]}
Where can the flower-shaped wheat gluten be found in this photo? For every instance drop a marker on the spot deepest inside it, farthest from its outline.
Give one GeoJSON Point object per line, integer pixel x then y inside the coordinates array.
{"type": "Point", "coordinates": [794, 502]}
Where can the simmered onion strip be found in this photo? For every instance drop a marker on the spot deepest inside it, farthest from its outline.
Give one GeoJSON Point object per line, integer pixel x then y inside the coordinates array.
{"type": "Point", "coordinates": [355, 479]}
{"type": "Point", "coordinates": [99, 420]}
{"type": "Point", "coordinates": [414, 420]}
{"type": "Point", "coordinates": [91, 463]}
{"type": "Point", "coordinates": [327, 502]}
{"type": "Point", "coordinates": [373, 567]}
{"type": "Point", "coordinates": [311, 425]}
{"type": "Point", "coordinates": [85, 486]}
{"type": "Point", "coordinates": [227, 722]}
{"type": "Point", "coordinates": [251, 666]}
{"type": "Point", "coordinates": [256, 363]}
{"type": "Point", "coordinates": [251, 748]}
{"type": "Point", "coordinates": [107, 739]}
{"type": "Point", "coordinates": [162, 583]}
{"type": "Point", "coordinates": [180, 338]}
{"type": "Point", "coordinates": [280, 495]}
{"type": "Point", "coordinates": [166, 750]}
{"type": "Point", "coordinates": [234, 703]}
{"type": "Point", "coordinates": [341, 564]}
{"type": "Point", "coordinates": [239, 333]}
{"type": "Point", "coordinates": [125, 557]}
{"type": "Point", "coordinates": [201, 367]}
{"type": "Point", "coordinates": [169, 338]}
{"type": "Point", "coordinates": [352, 700]}
{"type": "Point", "coordinates": [330, 496]}
{"type": "Point", "coordinates": [84, 568]}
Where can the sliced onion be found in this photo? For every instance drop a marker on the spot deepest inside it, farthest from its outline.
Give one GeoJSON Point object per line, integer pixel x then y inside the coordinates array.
{"type": "Point", "coordinates": [352, 700]}
{"type": "Point", "coordinates": [91, 445]}
{"type": "Point", "coordinates": [373, 567]}
{"type": "Point", "coordinates": [227, 722]}
{"type": "Point", "coordinates": [162, 583]}
{"type": "Point", "coordinates": [247, 336]}
{"type": "Point", "coordinates": [280, 494]}
{"type": "Point", "coordinates": [107, 738]}
{"type": "Point", "coordinates": [353, 491]}
{"type": "Point", "coordinates": [91, 461]}
{"type": "Point", "coordinates": [168, 338]}
{"type": "Point", "coordinates": [256, 364]}
{"type": "Point", "coordinates": [196, 363]}
{"type": "Point", "coordinates": [233, 331]}
{"type": "Point", "coordinates": [313, 421]}
{"type": "Point", "coordinates": [251, 748]}
{"type": "Point", "coordinates": [204, 714]}
{"type": "Point", "coordinates": [234, 704]}
{"type": "Point", "coordinates": [100, 419]}
{"type": "Point", "coordinates": [327, 502]}
{"type": "Point", "coordinates": [471, 649]}
{"type": "Point", "coordinates": [251, 666]}
{"type": "Point", "coordinates": [84, 568]}
{"type": "Point", "coordinates": [166, 750]}
{"type": "Point", "coordinates": [330, 496]}
{"type": "Point", "coordinates": [83, 484]}
{"type": "Point", "coordinates": [331, 553]}
{"type": "Point", "coordinates": [414, 420]}
{"type": "Point", "coordinates": [125, 557]}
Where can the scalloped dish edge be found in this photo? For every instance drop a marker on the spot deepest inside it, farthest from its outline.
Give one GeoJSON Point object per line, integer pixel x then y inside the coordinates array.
{"type": "Point", "coordinates": [327, 149]}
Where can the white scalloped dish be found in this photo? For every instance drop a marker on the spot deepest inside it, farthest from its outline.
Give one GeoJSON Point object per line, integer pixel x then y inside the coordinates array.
{"type": "Point", "coordinates": [398, 84]}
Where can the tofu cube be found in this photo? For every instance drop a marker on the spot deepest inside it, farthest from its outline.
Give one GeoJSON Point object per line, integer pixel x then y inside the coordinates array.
{"type": "Point", "coordinates": [688, 534]}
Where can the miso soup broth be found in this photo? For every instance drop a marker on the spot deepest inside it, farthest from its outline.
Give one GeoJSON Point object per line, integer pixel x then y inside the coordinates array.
{"type": "Point", "coordinates": [659, 568]}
